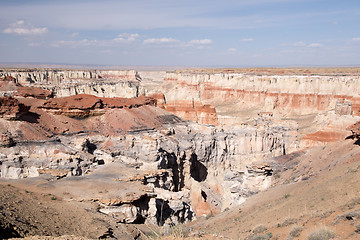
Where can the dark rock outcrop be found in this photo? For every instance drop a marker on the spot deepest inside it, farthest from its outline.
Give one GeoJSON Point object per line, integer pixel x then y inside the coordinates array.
{"type": "Point", "coordinates": [11, 108]}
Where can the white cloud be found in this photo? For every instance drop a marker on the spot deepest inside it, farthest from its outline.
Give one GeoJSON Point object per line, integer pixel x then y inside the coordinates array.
{"type": "Point", "coordinates": [34, 44]}
{"type": "Point", "coordinates": [247, 40]}
{"type": "Point", "coordinates": [160, 40]}
{"type": "Point", "coordinates": [314, 45]}
{"type": "Point", "coordinates": [299, 44]}
{"type": "Point", "coordinates": [78, 43]}
{"type": "Point", "coordinates": [201, 41]}
{"type": "Point", "coordinates": [303, 44]}
{"type": "Point", "coordinates": [356, 39]}
{"type": "Point", "coordinates": [122, 38]}
{"type": "Point", "coordinates": [232, 50]}
{"type": "Point", "coordinates": [24, 29]}
{"type": "Point", "coordinates": [127, 37]}
{"type": "Point", "coordinates": [74, 34]}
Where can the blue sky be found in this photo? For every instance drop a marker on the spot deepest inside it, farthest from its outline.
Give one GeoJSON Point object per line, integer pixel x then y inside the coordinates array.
{"type": "Point", "coordinates": [181, 33]}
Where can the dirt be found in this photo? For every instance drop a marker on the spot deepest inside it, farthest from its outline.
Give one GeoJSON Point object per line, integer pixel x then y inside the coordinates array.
{"type": "Point", "coordinates": [32, 212]}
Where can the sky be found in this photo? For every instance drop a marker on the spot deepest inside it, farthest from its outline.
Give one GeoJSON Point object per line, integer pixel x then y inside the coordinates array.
{"type": "Point", "coordinates": [198, 33]}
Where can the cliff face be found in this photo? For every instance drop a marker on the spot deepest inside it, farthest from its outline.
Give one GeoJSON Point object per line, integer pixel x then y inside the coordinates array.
{"type": "Point", "coordinates": [282, 94]}
{"type": "Point", "coordinates": [44, 76]}
{"type": "Point", "coordinates": [103, 83]}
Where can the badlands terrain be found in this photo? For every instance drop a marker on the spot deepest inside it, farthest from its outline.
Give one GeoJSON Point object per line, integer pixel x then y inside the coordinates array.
{"type": "Point", "coordinates": [263, 153]}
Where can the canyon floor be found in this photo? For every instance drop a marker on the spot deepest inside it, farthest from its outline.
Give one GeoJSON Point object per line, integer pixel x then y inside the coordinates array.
{"type": "Point", "coordinates": [187, 154]}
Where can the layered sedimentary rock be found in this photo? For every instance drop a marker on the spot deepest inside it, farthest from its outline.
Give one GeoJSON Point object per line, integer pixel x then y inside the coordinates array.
{"type": "Point", "coordinates": [25, 76]}
{"type": "Point", "coordinates": [142, 161]}
{"type": "Point", "coordinates": [84, 105]}
{"type": "Point", "coordinates": [187, 168]}
{"type": "Point", "coordinates": [101, 83]}
{"type": "Point", "coordinates": [283, 94]}
{"type": "Point", "coordinates": [10, 87]}
{"type": "Point", "coordinates": [330, 101]}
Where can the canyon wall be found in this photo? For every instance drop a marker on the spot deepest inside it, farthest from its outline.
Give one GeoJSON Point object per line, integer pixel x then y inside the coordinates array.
{"type": "Point", "coordinates": [286, 95]}
{"type": "Point", "coordinates": [101, 83]}
{"type": "Point", "coordinates": [245, 121]}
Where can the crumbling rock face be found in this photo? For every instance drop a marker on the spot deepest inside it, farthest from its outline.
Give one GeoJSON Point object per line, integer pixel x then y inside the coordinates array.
{"type": "Point", "coordinates": [63, 83]}
{"type": "Point", "coordinates": [58, 75]}
{"type": "Point", "coordinates": [355, 129]}
{"type": "Point", "coordinates": [11, 108]}
{"type": "Point", "coordinates": [203, 159]}
{"type": "Point", "coordinates": [343, 107]}
{"type": "Point", "coordinates": [33, 158]}
{"type": "Point", "coordinates": [10, 87]}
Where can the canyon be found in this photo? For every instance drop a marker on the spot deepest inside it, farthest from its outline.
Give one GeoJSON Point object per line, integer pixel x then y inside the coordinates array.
{"type": "Point", "coordinates": [156, 148]}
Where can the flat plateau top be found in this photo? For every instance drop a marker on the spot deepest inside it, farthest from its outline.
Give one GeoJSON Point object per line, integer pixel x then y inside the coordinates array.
{"type": "Point", "coordinates": [336, 71]}
{"type": "Point", "coordinates": [327, 71]}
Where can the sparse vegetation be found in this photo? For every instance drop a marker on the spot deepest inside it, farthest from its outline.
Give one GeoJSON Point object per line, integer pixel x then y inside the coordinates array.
{"type": "Point", "coordinates": [357, 230]}
{"type": "Point", "coordinates": [259, 229]}
{"type": "Point", "coordinates": [287, 195]}
{"type": "Point", "coordinates": [352, 203]}
{"type": "Point", "coordinates": [209, 216]}
{"type": "Point", "coordinates": [287, 222]}
{"type": "Point", "coordinates": [296, 231]}
{"type": "Point", "coordinates": [321, 234]}
{"type": "Point", "coordinates": [178, 232]}
{"type": "Point", "coordinates": [260, 237]}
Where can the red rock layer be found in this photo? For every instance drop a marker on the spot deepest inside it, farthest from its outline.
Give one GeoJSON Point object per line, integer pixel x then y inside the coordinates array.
{"type": "Point", "coordinates": [271, 98]}
{"type": "Point", "coordinates": [84, 105]}
{"type": "Point", "coordinates": [204, 114]}
{"type": "Point", "coordinates": [9, 86]}
{"type": "Point", "coordinates": [41, 124]}
{"type": "Point", "coordinates": [189, 110]}
{"type": "Point", "coordinates": [11, 108]}
{"type": "Point", "coordinates": [281, 101]}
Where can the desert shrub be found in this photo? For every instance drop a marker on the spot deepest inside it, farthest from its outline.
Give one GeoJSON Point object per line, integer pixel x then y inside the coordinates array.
{"type": "Point", "coordinates": [321, 234]}
{"type": "Point", "coordinates": [259, 237]}
{"type": "Point", "coordinates": [352, 203]}
{"type": "Point", "coordinates": [287, 222]}
{"type": "Point", "coordinates": [259, 229]}
{"type": "Point", "coordinates": [348, 216]}
{"type": "Point", "coordinates": [296, 231]}
{"type": "Point", "coordinates": [357, 230]}
{"type": "Point", "coordinates": [179, 231]}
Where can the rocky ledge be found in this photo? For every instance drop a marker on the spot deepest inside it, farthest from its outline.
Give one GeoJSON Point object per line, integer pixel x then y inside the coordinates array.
{"type": "Point", "coordinates": [11, 108]}
{"type": "Point", "coordinates": [84, 105]}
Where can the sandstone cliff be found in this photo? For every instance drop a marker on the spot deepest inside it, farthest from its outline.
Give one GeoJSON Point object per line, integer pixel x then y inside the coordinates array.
{"type": "Point", "coordinates": [294, 94]}
{"type": "Point", "coordinates": [101, 83]}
